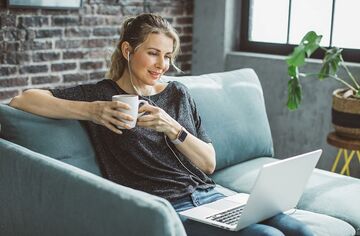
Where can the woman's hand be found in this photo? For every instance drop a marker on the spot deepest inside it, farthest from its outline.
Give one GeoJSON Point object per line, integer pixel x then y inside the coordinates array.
{"type": "Point", "coordinates": [106, 113]}
{"type": "Point", "coordinates": [198, 152]}
{"type": "Point", "coordinates": [158, 120]}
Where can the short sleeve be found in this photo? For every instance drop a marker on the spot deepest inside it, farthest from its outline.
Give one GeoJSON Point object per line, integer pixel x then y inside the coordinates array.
{"type": "Point", "coordinates": [74, 93]}
{"type": "Point", "coordinates": [85, 92]}
{"type": "Point", "coordinates": [200, 130]}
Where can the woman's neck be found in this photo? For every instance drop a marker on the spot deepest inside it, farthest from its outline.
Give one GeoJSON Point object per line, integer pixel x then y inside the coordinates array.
{"type": "Point", "coordinates": [133, 87]}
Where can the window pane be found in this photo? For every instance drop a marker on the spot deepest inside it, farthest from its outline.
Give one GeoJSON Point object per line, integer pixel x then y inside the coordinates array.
{"type": "Point", "coordinates": [267, 24]}
{"type": "Point", "coordinates": [346, 32]}
{"type": "Point", "coordinates": [309, 15]}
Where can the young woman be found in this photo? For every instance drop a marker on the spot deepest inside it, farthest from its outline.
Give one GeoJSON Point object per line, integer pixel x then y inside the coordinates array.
{"type": "Point", "coordinates": [168, 153]}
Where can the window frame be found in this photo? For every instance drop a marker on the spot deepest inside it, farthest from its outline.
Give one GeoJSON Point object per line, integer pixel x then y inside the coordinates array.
{"type": "Point", "coordinates": [244, 45]}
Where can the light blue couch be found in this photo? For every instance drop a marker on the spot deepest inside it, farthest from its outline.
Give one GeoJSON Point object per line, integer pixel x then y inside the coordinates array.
{"type": "Point", "coordinates": [51, 185]}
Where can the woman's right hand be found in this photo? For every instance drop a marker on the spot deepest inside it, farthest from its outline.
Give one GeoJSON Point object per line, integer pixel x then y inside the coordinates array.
{"type": "Point", "coordinates": [106, 113]}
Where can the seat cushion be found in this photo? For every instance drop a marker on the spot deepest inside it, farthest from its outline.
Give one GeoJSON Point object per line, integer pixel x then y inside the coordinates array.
{"type": "Point", "coordinates": [323, 225]}
{"type": "Point", "coordinates": [64, 140]}
{"type": "Point", "coordinates": [333, 194]}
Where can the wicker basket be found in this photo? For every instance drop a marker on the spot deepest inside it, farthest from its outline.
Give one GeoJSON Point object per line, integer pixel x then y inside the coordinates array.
{"type": "Point", "coordinates": [346, 115]}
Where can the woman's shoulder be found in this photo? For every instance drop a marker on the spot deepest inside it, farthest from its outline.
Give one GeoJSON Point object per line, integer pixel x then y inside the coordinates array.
{"type": "Point", "coordinates": [100, 90]}
{"type": "Point", "coordinates": [179, 87]}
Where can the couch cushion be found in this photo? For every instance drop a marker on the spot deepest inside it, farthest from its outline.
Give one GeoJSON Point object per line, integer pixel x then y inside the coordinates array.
{"type": "Point", "coordinates": [65, 140]}
{"type": "Point", "coordinates": [333, 194]}
{"type": "Point", "coordinates": [323, 225]}
{"type": "Point", "coordinates": [232, 108]}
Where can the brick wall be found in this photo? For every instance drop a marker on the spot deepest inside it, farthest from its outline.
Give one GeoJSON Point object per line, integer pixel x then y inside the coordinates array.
{"type": "Point", "coordinates": [55, 48]}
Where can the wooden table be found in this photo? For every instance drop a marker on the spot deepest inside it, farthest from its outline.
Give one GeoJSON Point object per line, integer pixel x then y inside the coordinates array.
{"type": "Point", "coordinates": [347, 147]}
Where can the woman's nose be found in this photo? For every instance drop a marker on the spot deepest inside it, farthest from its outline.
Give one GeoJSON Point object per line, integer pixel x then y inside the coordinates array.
{"type": "Point", "coordinates": [161, 64]}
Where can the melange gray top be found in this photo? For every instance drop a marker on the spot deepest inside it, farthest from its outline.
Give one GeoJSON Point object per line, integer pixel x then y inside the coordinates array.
{"type": "Point", "coordinates": [139, 158]}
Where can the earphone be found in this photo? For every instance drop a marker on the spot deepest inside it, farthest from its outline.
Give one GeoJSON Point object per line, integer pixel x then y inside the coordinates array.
{"type": "Point", "coordinates": [128, 55]}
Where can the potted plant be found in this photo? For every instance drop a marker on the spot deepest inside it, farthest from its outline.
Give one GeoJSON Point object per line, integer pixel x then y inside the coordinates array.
{"type": "Point", "coordinates": [346, 101]}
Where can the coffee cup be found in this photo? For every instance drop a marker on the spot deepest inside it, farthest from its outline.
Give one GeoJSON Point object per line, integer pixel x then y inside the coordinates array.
{"type": "Point", "coordinates": [134, 103]}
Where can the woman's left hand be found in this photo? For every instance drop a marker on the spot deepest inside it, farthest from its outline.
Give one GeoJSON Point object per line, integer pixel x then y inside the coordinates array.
{"type": "Point", "coordinates": [158, 120]}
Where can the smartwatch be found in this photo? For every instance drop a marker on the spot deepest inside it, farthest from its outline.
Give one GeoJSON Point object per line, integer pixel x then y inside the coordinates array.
{"type": "Point", "coordinates": [180, 137]}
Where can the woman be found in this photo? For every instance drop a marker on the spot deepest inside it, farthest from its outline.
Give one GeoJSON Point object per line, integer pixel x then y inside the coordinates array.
{"type": "Point", "coordinates": [168, 153]}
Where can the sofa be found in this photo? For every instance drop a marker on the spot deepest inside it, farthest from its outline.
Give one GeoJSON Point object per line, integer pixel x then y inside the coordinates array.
{"type": "Point", "coordinates": [51, 184]}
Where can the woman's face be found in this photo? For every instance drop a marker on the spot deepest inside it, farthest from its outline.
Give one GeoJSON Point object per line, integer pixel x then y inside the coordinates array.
{"type": "Point", "coordinates": [151, 59]}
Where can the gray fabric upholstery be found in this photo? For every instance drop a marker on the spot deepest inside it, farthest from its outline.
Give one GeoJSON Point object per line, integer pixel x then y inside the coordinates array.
{"type": "Point", "coordinates": [47, 197]}
{"type": "Point", "coordinates": [323, 225]}
{"type": "Point", "coordinates": [333, 194]}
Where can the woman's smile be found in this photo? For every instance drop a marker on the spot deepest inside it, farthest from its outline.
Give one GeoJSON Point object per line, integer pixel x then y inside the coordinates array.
{"type": "Point", "coordinates": [155, 75]}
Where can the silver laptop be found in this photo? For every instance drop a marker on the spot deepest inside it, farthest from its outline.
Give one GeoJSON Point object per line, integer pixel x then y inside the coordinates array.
{"type": "Point", "coordinates": [278, 188]}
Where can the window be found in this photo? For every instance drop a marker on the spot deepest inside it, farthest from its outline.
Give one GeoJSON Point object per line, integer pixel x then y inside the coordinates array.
{"type": "Point", "coordinates": [275, 26]}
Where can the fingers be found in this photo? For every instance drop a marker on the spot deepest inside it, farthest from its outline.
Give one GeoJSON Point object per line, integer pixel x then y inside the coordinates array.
{"type": "Point", "coordinates": [152, 124]}
{"type": "Point", "coordinates": [119, 105]}
{"type": "Point", "coordinates": [112, 128]}
{"type": "Point", "coordinates": [107, 114]}
{"type": "Point", "coordinates": [120, 115]}
{"type": "Point", "coordinates": [118, 123]}
{"type": "Point", "coordinates": [145, 118]}
{"type": "Point", "coordinates": [114, 124]}
{"type": "Point", "coordinates": [149, 108]}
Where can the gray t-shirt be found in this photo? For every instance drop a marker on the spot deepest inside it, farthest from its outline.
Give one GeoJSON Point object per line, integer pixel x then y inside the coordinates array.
{"type": "Point", "coordinates": [139, 158]}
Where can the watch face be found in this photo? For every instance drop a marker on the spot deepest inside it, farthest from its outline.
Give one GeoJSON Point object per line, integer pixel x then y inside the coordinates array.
{"type": "Point", "coordinates": [182, 136]}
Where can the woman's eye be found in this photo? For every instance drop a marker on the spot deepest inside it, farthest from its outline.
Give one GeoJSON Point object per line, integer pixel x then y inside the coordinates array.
{"type": "Point", "coordinates": [153, 53]}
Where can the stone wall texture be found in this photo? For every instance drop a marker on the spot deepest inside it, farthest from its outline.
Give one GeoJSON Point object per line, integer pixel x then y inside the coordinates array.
{"type": "Point", "coordinates": [47, 48]}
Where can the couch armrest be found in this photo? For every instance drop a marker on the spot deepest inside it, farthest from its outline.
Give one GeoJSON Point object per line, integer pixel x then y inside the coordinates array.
{"type": "Point", "coordinates": [43, 196]}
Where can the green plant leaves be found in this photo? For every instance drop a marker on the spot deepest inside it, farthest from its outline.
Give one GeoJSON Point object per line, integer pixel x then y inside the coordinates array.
{"type": "Point", "coordinates": [297, 57]}
{"type": "Point", "coordinates": [308, 45]}
{"type": "Point", "coordinates": [311, 42]}
{"type": "Point", "coordinates": [331, 62]}
{"type": "Point", "coordinates": [294, 93]}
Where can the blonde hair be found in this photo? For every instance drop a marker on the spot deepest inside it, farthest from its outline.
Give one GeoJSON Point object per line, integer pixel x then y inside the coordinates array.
{"type": "Point", "coordinates": [135, 30]}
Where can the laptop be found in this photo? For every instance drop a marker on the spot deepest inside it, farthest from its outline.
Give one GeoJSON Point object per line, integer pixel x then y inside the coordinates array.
{"type": "Point", "coordinates": [278, 188]}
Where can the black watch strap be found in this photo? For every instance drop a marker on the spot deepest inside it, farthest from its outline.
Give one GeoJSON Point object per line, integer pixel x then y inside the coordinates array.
{"type": "Point", "coordinates": [180, 137]}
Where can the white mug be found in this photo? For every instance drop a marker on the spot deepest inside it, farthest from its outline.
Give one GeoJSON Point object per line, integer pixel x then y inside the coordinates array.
{"type": "Point", "coordinates": [134, 102]}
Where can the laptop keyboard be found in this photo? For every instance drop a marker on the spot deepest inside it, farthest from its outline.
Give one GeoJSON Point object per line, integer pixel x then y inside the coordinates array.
{"type": "Point", "coordinates": [230, 217]}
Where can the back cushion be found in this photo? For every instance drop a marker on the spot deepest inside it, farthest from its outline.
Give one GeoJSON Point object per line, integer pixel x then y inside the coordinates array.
{"type": "Point", "coordinates": [232, 109]}
{"type": "Point", "coordinates": [65, 140]}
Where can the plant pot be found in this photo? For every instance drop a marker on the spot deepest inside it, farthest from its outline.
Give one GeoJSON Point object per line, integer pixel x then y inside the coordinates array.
{"type": "Point", "coordinates": [346, 115]}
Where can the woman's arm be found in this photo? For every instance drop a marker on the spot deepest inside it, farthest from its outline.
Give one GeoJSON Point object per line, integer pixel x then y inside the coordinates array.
{"type": "Point", "coordinates": [42, 102]}
{"type": "Point", "coordinates": [201, 154]}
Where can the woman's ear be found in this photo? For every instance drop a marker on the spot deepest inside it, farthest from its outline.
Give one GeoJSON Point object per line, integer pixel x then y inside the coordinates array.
{"type": "Point", "coordinates": [126, 50]}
